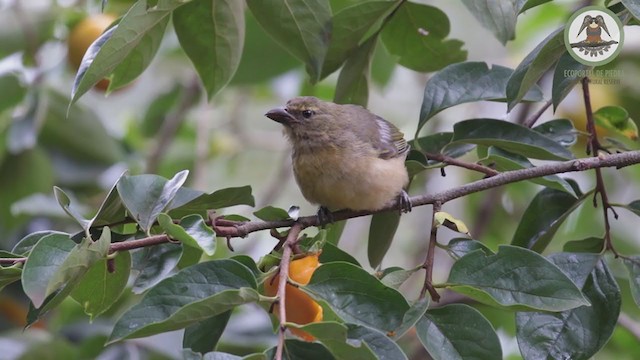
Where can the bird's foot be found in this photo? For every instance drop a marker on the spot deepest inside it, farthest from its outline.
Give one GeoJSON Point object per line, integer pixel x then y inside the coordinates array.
{"type": "Point", "coordinates": [404, 202]}
{"type": "Point", "coordinates": [324, 216]}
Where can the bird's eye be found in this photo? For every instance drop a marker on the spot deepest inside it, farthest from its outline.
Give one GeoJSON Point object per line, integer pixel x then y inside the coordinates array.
{"type": "Point", "coordinates": [307, 113]}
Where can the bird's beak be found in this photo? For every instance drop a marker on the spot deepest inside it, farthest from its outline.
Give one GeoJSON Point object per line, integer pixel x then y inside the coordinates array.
{"type": "Point", "coordinates": [280, 115]}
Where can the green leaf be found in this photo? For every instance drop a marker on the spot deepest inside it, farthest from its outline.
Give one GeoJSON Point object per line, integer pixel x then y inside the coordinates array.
{"type": "Point", "coordinates": [188, 201]}
{"type": "Point", "coordinates": [206, 289]}
{"type": "Point", "coordinates": [422, 30]}
{"type": "Point", "coordinates": [24, 174]}
{"type": "Point", "coordinates": [191, 251]}
{"type": "Point", "coordinates": [589, 245]}
{"type": "Point", "coordinates": [563, 79]}
{"type": "Point", "coordinates": [500, 16]}
{"type": "Point", "coordinates": [146, 196]}
{"type": "Point", "coordinates": [543, 335]}
{"type": "Point", "coordinates": [112, 210]}
{"type": "Point", "coordinates": [527, 281]}
{"type": "Point", "coordinates": [333, 231]}
{"type": "Point", "coordinates": [188, 354]}
{"type": "Point", "coordinates": [303, 27]}
{"type": "Point", "coordinates": [438, 143]}
{"type": "Point", "coordinates": [381, 232]}
{"type": "Point", "coordinates": [395, 277]}
{"type": "Point", "coordinates": [215, 56]}
{"type": "Point", "coordinates": [152, 264]}
{"type": "Point", "coordinates": [196, 227]}
{"type": "Point", "coordinates": [158, 109]}
{"type": "Point", "coordinates": [13, 91]}
{"type": "Point", "coordinates": [57, 264]}
{"type": "Point", "coordinates": [99, 289]}
{"type": "Point", "coordinates": [534, 65]}
{"type": "Point", "coordinates": [458, 331]}
{"type": "Point", "coordinates": [133, 42]}
{"type": "Point", "coordinates": [543, 217]}
{"type": "Point", "coordinates": [40, 21]}
{"type": "Point", "coordinates": [353, 82]}
{"type": "Point", "coordinates": [94, 146]}
{"type": "Point", "coordinates": [633, 6]}
{"type": "Point", "coordinates": [203, 336]}
{"type": "Point", "coordinates": [467, 82]}
{"type": "Point", "coordinates": [65, 203]}
{"type": "Point", "coordinates": [22, 130]}
{"type": "Point", "coordinates": [332, 253]}
{"type": "Point", "coordinates": [350, 341]}
{"type": "Point", "coordinates": [10, 274]}
{"type": "Point", "coordinates": [297, 350]}
{"type": "Point", "coordinates": [334, 336]}
{"type": "Point", "coordinates": [509, 136]}
{"type": "Point", "coordinates": [412, 316]}
{"type": "Point", "coordinates": [505, 161]}
{"type": "Point", "coordinates": [249, 263]}
{"type": "Point", "coordinates": [271, 213]}
{"type": "Point", "coordinates": [460, 247]}
{"type": "Point", "coordinates": [382, 67]}
{"type": "Point", "coordinates": [559, 130]}
{"type": "Point", "coordinates": [350, 27]}
{"type": "Point", "coordinates": [262, 58]}
{"type": "Point", "coordinates": [617, 119]}
{"type": "Point", "coordinates": [192, 232]}
{"type": "Point", "coordinates": [26, 244]}
{"type": "Point", "coordinates": [632, 263]}
{"type": "Point", "coordinates": [141, 55]}
{"type": "Point", "coordinates": [633, 206]}
{"type": "Point", "coordinates": [357, 296]}
{"type": "Point", "coordinates": [378, 342]}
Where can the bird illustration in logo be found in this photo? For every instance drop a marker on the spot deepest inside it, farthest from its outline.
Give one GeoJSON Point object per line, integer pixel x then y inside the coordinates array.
{"type": "Point", "coordinates": [594, 26]}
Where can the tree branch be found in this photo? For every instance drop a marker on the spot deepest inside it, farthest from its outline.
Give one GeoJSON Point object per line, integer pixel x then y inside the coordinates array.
{"type": "Point", "coordinates": [226, 228]}
{"type": "Point", "coordinates": [615, 160]}
{"type": "Point", "coordinates": [593, 146]}
{"type": "Point", "coordinates": [171, 125]}
{"type": "Point", "coordinates": [429, 260]}
{"type": "Point", "coordinates": [292, 239]}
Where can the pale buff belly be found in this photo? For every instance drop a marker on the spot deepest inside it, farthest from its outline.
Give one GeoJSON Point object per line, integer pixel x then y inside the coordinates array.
{"type": "Point", "coordinates": [355, 183]}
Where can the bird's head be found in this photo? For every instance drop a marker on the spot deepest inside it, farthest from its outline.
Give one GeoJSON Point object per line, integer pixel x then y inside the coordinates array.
{"type": "Point", "coordinates": [306, 116]}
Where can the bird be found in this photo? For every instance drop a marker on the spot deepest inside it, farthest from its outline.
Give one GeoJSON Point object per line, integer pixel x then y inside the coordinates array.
{"type": "Point", "coordinates": [594, 26]}
{"type": "Point", "coordinates": [344, 156]}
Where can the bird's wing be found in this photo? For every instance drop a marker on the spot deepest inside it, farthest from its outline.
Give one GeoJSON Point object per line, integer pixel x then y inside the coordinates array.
{"type": "Point", "coordinates": [600, 21]}
{"type": "Point", "coordinates": [585, 23]}
{"type": "Point", "coordinates": [392, 142]}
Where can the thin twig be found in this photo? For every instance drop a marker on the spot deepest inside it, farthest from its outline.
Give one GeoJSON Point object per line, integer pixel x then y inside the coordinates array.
{"type": "Point", "coordinates": [12, 261]}
{"type": "Point", "coordinates": [593, 147]}
{"type": "Point", "coordinates": [532, 120]}
{"type": "Point", "coordinates": [283, 274]}
{"type": "Point", "coordinates": [448, 160]}
{"type": "Point", "coordinates": [171, 125]}
{"type": "Point", "coordinates": [628, 323]}
{"type": "Point", "coordinates": [429, 260]}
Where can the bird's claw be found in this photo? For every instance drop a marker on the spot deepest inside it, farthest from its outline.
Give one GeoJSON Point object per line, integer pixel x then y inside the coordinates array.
{"type": "Point", "coordinates": [404, 202]}
{"type": "Point", "coordinates": [324, 216]}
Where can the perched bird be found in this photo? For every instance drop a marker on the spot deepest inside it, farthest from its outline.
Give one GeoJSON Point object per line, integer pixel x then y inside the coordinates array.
{"type": "Point", "coordinates": [344, 156]}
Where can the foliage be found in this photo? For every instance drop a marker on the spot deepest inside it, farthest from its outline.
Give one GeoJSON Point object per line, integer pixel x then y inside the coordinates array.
{"type": "Point", "coordinates": [152, 259]}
